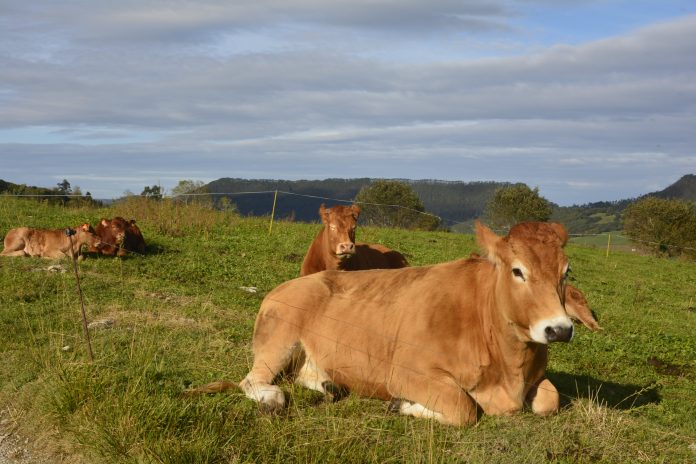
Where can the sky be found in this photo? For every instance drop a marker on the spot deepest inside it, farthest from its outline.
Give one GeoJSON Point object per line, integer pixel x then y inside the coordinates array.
{"type": "Point", "coordinates": [588, 100]}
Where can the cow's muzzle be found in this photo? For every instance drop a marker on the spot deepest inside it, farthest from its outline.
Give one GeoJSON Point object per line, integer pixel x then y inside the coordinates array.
{"type": "Point", "coordinates": [556, 329]}
{"type": "Point", "coordinates": [345, 250]}
{"type": "Point", "coordinates": [558, 333]}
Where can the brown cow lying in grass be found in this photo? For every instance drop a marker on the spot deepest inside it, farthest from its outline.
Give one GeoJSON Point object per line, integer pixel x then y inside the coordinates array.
{"type": "Point", "coordinates": [334, 246]}
{"type": "Point", "coordinates": [438, 341]}
{"type": "Point", "coordinates": [48, 243]}
{"type": "Point", "coordinates": [118, 237]}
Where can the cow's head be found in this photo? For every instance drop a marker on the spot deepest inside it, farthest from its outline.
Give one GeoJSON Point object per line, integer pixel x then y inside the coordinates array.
{"type": "Point", "coordinates": [86, 235]}
{"type": "Point", "coordinates": [116, 227]}
{"type": "Point", "coordinates": [340, 223]}
{"type": "Point", "coordinates": [530, 283]}
{"type": "Point", "coordinates": [574, 301]}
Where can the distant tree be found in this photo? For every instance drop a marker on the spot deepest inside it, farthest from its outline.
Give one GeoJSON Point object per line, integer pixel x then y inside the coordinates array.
{"type": "Point", "coordinates": [664, 226]}
{"type": "Point", "coordinates": [517, 203]}
{"type": "Point", "coordinates": [64, 187]}
{"type": "Point", "coordinates": [391, 203]}
{"type": "Point", "coordinates": [154, 192]}
{"type": "Point", "coordinates": [187, 186]}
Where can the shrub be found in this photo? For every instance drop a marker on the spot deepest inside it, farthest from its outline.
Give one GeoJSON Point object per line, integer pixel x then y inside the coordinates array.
{"type": "Point", "coordinates": [390, 203]}
{"type": "Point", "coordinates": [517, 203]}
{"type": "Point", "coordinates": [665, 227]}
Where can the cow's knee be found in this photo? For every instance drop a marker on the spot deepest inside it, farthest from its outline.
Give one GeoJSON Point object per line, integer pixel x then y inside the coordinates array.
{"type": "Point", "coordinates": [544, 398]}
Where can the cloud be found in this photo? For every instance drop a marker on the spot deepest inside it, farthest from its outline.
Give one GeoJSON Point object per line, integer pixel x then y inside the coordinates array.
{"type": "Point", "coordinates": [163, 83]}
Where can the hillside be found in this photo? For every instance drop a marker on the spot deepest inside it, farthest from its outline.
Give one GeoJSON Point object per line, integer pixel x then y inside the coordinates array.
{"type": "Point", "coordinates": [683, 189]}
{"type": "Point", "coordinates": [453, 201]}
{"type": "Point", "coordinates": [605, 216]}
{"type": "Point", "coordinates": [457, 203]}
{"type": "Point", "coordinates": [23, 189]}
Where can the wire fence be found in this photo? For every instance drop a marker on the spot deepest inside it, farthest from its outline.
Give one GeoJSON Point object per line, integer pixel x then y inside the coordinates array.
{"type": "Point", "coordinates": [449, 221]}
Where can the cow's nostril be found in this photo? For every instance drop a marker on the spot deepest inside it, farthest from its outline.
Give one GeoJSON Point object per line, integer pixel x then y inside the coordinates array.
{"type": "Point", "coordinates": [558, 334]}
{"type": "Point", "coordinates": [346, 247]}
{"type": "Point", "coordinates": [550, 333]}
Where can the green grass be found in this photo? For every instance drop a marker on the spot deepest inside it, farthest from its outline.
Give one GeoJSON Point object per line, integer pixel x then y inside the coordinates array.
{"type": "Point", "coordinates": [181, 319]}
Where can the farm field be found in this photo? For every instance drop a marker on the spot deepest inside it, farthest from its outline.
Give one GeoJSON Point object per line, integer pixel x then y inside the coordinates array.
{"type": "Point", "coordinates": [183, 314]}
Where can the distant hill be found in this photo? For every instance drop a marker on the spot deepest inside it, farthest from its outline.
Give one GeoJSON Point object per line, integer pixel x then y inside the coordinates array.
{"type": "Point", "coordinates": [453, 201]}
{"type": "Point", "coordinates": [606, 216]}
{"type": "Point", "coordinates": [457, 203]}
{"type": "Point", "coordinates": [23, 189]}
{"type": "Point", "coordinates": [683, 189]}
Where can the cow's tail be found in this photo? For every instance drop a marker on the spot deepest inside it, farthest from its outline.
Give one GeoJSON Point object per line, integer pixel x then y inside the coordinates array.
{"type": "Point", "coordinates": [213, 387]}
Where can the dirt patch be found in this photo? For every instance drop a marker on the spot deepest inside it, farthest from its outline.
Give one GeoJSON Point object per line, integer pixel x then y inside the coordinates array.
{"type": "Point", "coordinates": [666, 368]}
{"type": "Point", "coordinates": [17, 449]}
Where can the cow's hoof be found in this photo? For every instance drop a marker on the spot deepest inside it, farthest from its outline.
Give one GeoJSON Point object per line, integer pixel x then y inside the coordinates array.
{"type": "Point", "coordinates": [333, 392]}
{"type": "Point", "coordinates": [394, 406]}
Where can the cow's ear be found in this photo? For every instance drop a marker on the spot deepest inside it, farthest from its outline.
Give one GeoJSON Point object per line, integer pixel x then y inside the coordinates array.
{"type": "Point", "coordinates": [560, 231]}
{"type": "Point", "coordinates": [324, 214]}
{"type": "Point", "coordinates": [577, 308]}
{"type": "Point", "coordinates": [487, 241]}
{"type": "Point", "coordinates": [85, 227]}
{"type": "Point", "coordinates": [132, 221]}
{"type": "Point", "coordinates": [104, 222]}
{"type": "Point", "coordinates": [356, 211]}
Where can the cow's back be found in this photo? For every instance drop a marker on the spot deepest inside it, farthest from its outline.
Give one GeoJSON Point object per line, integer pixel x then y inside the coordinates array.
{"type": "Point", "coordinates": [374, 256]}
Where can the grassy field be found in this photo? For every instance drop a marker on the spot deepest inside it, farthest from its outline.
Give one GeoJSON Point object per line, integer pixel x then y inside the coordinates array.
{"type": "Point", "coordinates": [181, 318]}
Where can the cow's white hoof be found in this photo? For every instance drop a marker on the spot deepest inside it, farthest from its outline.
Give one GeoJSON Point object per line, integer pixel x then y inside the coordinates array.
{"type": "Point", "coordinates": [269, 397]}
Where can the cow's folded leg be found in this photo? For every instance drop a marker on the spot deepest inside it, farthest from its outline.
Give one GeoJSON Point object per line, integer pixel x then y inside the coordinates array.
{"type": "Point", "coordinates": [14, 253]}
{"type": "Point", "coordinates": [443, 401]}
{"type": "Point", "coordinates": [273, 352]}
{"type": "Point", "coordinates": [314, 378]}
{"type": "Point", "coordinates": [543, 398]}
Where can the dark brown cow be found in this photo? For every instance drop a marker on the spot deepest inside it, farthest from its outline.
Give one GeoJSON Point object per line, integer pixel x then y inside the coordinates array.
{"type": "Point", "coordinates": [438, 340]}
{"type": "Point", "coordinates": [48, 243]}
{"type": "Point", "coordinates": [118, 237]}
{"type": "Point", "coordinates": [334, 246]}
{"type": "Point", "coordinates": [134, 240]}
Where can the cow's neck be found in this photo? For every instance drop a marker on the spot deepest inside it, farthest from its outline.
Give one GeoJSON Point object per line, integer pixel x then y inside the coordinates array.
{"type": "Point", "coordinates": [328, 257]}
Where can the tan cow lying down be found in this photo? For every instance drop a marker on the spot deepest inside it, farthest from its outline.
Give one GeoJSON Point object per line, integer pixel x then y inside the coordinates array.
{"type": "Point", "coordinates": [439, 339]}
{"type": "Point", "coordinates": [47, 243]}
{"type": "Point", "coordinates": [334, 246]}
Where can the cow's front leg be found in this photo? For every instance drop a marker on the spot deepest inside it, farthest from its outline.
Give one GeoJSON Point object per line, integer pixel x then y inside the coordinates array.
{"type": "Point", "coordinates": [543, 398]}
{"type": "Point", "coordinates": [439, 399]}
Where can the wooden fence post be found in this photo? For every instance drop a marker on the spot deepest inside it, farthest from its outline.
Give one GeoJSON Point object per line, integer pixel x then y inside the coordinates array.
{"type": "Point", "coordinates": [270, 226]}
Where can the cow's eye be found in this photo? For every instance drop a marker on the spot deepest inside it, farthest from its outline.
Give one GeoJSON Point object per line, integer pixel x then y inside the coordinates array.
{"type": "Point", "coordinates": [517, 272]}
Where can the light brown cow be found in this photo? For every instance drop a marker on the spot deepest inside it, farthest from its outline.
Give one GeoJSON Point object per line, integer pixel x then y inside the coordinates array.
{"type": "Point", "coordinates": [440, 339]}
{"type": "Point", "coordinates": [47, 243]}
{"type": "Point", "coordinates": [334, 247]}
